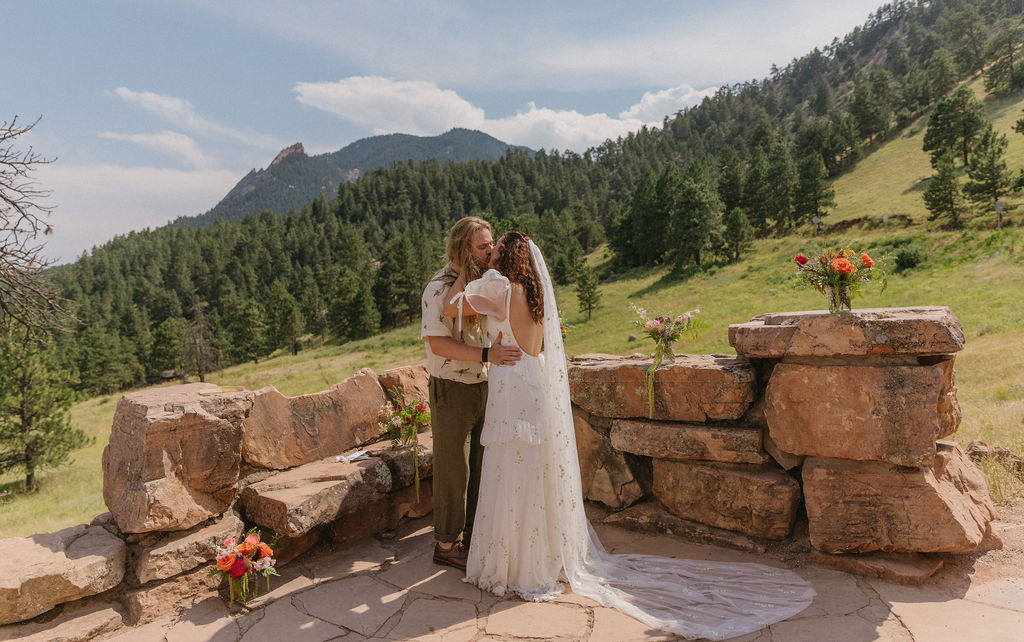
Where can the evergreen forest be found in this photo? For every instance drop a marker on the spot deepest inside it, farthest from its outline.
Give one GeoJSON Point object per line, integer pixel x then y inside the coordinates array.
{"type": "Point", "coordinates": [755, 159]}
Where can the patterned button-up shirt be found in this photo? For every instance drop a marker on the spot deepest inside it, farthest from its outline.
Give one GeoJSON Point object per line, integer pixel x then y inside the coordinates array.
{"type": "Point", "coordinates": [435, 324]}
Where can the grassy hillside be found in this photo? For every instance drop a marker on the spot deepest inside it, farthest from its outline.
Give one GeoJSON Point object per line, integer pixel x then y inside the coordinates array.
{"type": "Point", "coordinates": [891, 180]}
{"type": "Point", "coordinates": [979, 273]}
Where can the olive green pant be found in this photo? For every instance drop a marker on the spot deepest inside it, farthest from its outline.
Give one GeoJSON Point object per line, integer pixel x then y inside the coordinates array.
{"type": "Point", "coordinates": [457, 417]}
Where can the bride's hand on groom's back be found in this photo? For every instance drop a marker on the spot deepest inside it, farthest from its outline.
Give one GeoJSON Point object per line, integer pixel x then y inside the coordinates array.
{"type": "Point", "coordinates": [500, 355]}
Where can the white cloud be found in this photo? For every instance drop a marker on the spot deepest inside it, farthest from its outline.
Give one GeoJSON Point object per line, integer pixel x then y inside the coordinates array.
{"type": "Point", "coordinates": [179, 145]}
{"type": "Point", "coordinates": [654, 106]}
{"type": "Point", "coordinates": [422, 108]}
{"type": "Point", "coordinates": [180, 113]}
{"type": "Point", "coordinates": [94, 203]}
{"type": "Point", "coordinates": [388, 106]}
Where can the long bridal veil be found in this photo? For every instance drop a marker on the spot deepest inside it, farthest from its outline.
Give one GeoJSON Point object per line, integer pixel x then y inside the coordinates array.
{"type": "Point", "coordinates": [692, 598]}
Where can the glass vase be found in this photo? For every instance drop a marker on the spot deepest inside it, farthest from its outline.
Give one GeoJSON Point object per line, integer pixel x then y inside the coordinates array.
{"type": "Point", "coordinates": [838, 298]}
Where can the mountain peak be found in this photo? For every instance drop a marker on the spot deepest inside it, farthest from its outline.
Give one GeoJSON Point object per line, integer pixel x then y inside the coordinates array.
{"type": "Point", "coordinates": [288, 151]}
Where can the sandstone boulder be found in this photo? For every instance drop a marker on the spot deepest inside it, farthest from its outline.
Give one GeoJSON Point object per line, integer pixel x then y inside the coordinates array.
{"type": "Point", "coordinates": [78, 622]}
{"type": "Point", "coordinates": [413, 380]}
{"type": "Point", "coordinates": [282, 432]}
{"type": "Point", "coordinates": [928, 330]}
{"type": "Point", "coordinates": [383, 514]}
{"type": "Point", "coordinates": [294, 501]}
{"type": "Point", "coordinates": [606, 474]}
{"type": "Point", "coordinates": [679, 441]}
{"type": "Point", "coordinates": [761, 501]}
{"type": "Point", "coordinates": [860, 507]}
{"type": "Point", "coordinates": [694, 388]}
{"type": "Point", "coordinates": [878, 413]}
{"type": "Point", "coordinates": [173, 457]}
{"type": "Point", "coordinates": [399, 460]}
{"type": "Point", "coordinates": [42, 571]}
{"type": "Point", "coordinates": [176, 553]}
{"type": "Point", "coordinates": [156, 601]}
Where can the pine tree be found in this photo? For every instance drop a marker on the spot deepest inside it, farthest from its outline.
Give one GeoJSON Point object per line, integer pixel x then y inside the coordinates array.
{"type": "Point", "coordinates": [941, 72]}
{"type": "Point", "coordinates": [587, 293]}
{"type": "Point", "coordinates": [943, 197]}
{"type": "Point", "coordinates": [35, 405]}
{"type": "Point", "coordinates": [695, 215]}
{"type": "Point", "coordinates": [955, 123]}
{"type": "Point", "coordinates": [1001, 74]}
{"type": "Point", "coordinates": [812, 195]}
{"type": "Point", "coordinates": [362, 317]}
{"type": "Point", "coordinates": [990, 178]}
{"type": "Point", "coordinates": [738, 232]}
{"type": "Point", "coordinates": [169, 346]}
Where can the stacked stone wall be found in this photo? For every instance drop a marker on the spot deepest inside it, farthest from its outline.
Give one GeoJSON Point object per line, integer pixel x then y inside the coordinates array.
{"type": "Point", "coordinates": [836, 417]}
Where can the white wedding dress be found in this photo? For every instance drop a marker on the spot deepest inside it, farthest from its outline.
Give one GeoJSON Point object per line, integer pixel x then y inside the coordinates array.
{"type": "Point", "coordinates": [531, 534]}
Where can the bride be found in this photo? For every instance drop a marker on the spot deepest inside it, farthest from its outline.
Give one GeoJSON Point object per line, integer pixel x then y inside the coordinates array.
{"type": "Point", "coordinates": [530, 532]}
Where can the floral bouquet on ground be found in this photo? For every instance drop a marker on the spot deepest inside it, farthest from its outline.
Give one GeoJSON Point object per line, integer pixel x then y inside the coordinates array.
{"type": "Point", "coordinates": [666, 331]}
{"type": "Point", "coordinates": [400, 420]}
{"type": "Point", "coordinates": [838, 274]}
{"type": "Point", "coordinates": [241, 563]}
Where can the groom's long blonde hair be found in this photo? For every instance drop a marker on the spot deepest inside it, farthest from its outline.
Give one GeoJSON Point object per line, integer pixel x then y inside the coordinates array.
{"type": "Point", "coordinates": [458, 247]}
{"type": "Point", "coordinates": [458, 250]}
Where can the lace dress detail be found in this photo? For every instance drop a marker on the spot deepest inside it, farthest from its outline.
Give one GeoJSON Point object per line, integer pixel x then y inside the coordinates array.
{"type": "Point", "coordinates": [531, 534]}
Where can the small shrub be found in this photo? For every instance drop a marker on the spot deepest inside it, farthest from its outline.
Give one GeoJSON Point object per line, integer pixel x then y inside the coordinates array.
{"type": "Point", "coordinates": [907, 257]}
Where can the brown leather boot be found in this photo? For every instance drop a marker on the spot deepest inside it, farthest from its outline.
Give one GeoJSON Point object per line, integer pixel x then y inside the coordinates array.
{"type": "Point", "coordinates": [454, 556]}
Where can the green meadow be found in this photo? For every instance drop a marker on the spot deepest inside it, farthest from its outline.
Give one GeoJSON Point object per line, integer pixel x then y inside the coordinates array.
{"type": "Point", "coordinates": [978, 272]}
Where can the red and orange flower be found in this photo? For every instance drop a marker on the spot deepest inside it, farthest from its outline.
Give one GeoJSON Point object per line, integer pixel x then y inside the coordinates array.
{"type": "Point", "coordinates": [838, 274]}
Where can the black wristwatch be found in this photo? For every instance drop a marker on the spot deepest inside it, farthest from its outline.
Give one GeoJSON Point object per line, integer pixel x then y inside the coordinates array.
{"type": "Point", "coordinates": [483, 355]}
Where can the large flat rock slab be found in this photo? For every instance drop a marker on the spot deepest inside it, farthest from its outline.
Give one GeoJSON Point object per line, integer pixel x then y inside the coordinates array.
{"type": "Point", "coordinates": [694, 388]}
{"type": "Point", "coordinates": [878, 413]}
{"type": "Point", "coordinates": [294, 501]}
{"type": "Point", "coordinates": [173, 457]}
{"type": "Point", "coordinates": [859, 507]}
{"type": "Point", "coordinates": [681, 441]}
{"type": "Point", "coordinates": [917, 331]}
{"type": "Point", "coordinates": [282, 432]}
{"type": "Point", "coordinates": [761, 501]}
{"type": "Point", "coordinates": [42, 571]}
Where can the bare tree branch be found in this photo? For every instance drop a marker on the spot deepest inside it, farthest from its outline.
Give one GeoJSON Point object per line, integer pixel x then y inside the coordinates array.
{"type": "Point", "coordinates": [26, 298]}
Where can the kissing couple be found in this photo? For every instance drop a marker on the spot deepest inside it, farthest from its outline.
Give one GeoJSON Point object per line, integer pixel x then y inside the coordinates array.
{"type": "Point", "coordinates": [508, 499]}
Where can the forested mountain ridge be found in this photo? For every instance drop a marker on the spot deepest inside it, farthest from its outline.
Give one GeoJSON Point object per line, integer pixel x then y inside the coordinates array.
{"type": "Point", "coordinates": [294, 179]}
{"type": "Point", "coordinates": [755, 158]}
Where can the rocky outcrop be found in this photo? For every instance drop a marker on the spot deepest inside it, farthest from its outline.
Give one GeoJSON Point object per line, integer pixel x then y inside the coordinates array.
{"type": "Point", "coordinates": [872, 506]}
{"type": "Point", "coordinates": [282, 432]}
{"type": "Point", "coordinates": [173, 457]}
{"type": "Point", "coordinates": [694, 388]}
{"type": "Point", "coordinates": [41, 571]}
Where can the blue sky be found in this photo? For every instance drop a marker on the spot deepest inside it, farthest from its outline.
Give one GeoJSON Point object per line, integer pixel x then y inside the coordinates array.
{"type": "Point", "coordinates": [155, 109]}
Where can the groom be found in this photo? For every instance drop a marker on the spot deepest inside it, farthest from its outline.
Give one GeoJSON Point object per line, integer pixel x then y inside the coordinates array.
{"type": "Point", "coordinates": [457, 363]}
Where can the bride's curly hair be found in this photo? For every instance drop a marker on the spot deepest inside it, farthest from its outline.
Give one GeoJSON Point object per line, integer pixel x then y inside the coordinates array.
{"type": "Point", "coordinates": [515, 262]}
